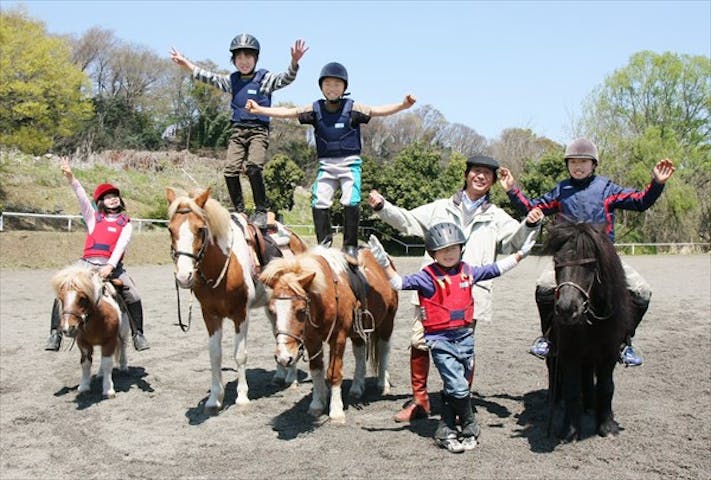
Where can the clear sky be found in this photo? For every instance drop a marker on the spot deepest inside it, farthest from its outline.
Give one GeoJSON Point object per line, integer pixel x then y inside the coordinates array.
{"type": "Point", "coordinates": [487, 65]}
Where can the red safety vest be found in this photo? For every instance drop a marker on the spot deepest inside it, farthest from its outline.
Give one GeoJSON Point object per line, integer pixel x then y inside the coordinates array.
{"type": "Point", "coordinates": [452, 305]}
{"type": "Point", "coordinates": [102, 241]}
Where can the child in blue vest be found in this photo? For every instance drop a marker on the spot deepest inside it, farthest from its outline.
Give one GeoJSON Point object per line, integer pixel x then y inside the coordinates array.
{"type": "Point", "coordinates": [590, 198]}
{"type": "Point", "coordinates": [109, 232]}
{"type": "Point", "coordinates": [247, 148]}
{"type": "Point", "coordinates": [336, 121]}
{"type": "Point", "coordinates": [445, 294]}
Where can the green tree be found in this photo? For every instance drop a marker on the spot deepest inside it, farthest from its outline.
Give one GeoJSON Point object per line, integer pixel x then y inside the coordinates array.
{"type": "Point", "coordinates": [657, 106]}
{"type": "Point", "coordinates": [281, 176]}
{"type": "Point", "coordinates": [41, 91]}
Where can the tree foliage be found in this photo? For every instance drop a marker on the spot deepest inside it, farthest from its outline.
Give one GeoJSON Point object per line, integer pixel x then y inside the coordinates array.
{"type": "Point", "coordinates": [281, 176]}
{"type": "Point", "coordinates": [41, 91]}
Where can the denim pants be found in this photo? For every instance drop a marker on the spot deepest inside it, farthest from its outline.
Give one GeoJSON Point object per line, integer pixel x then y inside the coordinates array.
{"type": "Point", "coordinates": [454, 359]}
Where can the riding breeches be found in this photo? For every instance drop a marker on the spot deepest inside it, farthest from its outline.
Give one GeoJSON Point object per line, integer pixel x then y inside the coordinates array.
{"type": "Point", "coordinates": [637, 286]}
{"type": "Point", "coordinates": [335, 172]}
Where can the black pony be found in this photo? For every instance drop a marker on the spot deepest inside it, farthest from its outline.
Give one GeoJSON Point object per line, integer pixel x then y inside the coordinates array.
{"type": "Point", "coordinates": [591, 317]}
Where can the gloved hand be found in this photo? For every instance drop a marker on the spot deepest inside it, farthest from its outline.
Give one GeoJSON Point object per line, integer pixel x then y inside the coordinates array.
{"type": "Point", "coordinates": [528, 243]}
{"type": "Point", "coordinates": [378, 251]}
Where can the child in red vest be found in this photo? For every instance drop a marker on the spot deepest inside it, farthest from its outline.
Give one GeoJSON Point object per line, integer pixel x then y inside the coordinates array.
{"type": "Point", "coordinates": [445, 293]}
{"type": "Point", "coordinates": [108, 234]}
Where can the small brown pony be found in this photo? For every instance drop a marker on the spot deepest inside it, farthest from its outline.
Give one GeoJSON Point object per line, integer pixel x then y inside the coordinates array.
{"type": "Point", "coordinates": [212, 258]}
{"type": "Point", "coordinates": [92, 317]}
{"type": "Point", "coordinates": [314, 305]}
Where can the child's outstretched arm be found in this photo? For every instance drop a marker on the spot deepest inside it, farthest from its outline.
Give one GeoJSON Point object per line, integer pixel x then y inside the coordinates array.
{"type": "Point", "coordinates": [511, 261]}
{"type": "Point", "coordinates": [384, 110]}
{"type": "Point", "coordinates": [382, 258]}
{"type": "Point", "coordinates": [279, 112]}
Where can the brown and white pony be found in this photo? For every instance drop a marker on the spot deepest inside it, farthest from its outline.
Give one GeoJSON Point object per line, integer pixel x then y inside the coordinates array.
{"type": "Point", "coordinates": [92, 317]}
{"type": "Point", "coordinates": [315, 306]}
{"type": "Point", "coordinates": [212, 258]}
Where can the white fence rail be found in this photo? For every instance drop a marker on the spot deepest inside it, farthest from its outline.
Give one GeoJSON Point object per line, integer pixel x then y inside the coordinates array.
{"type": "Point", "coordinates": [139, 222]}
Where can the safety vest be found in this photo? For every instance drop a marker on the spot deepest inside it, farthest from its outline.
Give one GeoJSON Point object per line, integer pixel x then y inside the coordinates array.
{"type": "Point", "coordinates": [102, 241]}
{"type": "Point", "coordinates": [452, 305]}
{"type": "Point", "coordinates": [335, 136]}
{"type": "Point", "coordinates": [243, 90]}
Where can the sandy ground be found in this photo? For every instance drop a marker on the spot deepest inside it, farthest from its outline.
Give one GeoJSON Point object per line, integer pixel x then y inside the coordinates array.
{"type": "Point", "coordinates": [155, 427]}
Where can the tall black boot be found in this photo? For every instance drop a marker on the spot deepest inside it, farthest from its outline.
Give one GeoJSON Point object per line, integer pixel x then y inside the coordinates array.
{"type": "Point", "coordinates": [259, 193]}
{"type": "Point", "coordinates": [135, 314]}
{"type": "Point", "coordinates": [234, 187]}
{"type": "Point", "coordinates": [351, 220]}
{"type": "Point", "coordinates": [470, 428]}
{"type": "Point", "coordinates": [55, 336]}
{"type": "Point", "coordinates": [446, 434]}
{"type": "Point", "coordinates": [322, 224]}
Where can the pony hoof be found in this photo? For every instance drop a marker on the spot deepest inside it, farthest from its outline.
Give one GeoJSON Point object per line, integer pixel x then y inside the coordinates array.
{"type": "Point", "coordinates": [315, 412]}
{"type": "Point", "coordinates": [339, 420]}
{"type": "Point", "coordinates": [609, 428]}
{"type": "Point", "coordinates": [211, 411]}
{"type": "Point", "coordinates": [109, 395]}
{"type": "Point", "coordinates": [242, 402]}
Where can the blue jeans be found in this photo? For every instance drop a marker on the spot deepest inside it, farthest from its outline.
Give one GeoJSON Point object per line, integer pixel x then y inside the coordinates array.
{"type": "Point", "coordinates": [454, 359]}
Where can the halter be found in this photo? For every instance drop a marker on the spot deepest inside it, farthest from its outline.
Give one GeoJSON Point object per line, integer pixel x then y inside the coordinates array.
{"type": "Point", "coordinates": [587, 307]}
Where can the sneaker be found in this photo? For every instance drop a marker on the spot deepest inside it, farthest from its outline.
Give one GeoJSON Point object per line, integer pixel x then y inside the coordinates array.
{"type": "Point", "coordinates": [411, 411]}
{"type": "Point", "coordinates": [540, 348]}
{"type": "Point", "coordinates": [469, 443]}
{"type": "Point", "coordinates": [451, 443]}
{"type": "Point", "coordinates": [54, 341]}
{"type": "Point", "coordinates": [139, 342]}
{"type": "Point", "coordinates": [629, 357]}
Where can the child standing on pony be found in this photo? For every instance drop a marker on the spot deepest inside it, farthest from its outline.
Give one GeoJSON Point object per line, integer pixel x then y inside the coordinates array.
{"type": "Point", "coordinates": [445, 294]}
{"type": "Point", "coordinates": [336, 121]}
{"type": "Point", "coordinates": [247, 148]}
{"type": "Point", "coordinates": [590, 198]}
{"type": "Point", "coordinates": [108, 234]}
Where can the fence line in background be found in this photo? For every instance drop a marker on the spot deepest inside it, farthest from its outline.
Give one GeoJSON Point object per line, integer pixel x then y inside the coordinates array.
{"type": "Point", "coordinates": [337, 228]}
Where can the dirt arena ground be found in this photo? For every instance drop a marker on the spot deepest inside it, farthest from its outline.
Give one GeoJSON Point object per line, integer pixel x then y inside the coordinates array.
{"type": "Point", "coordinates": [155, 427]}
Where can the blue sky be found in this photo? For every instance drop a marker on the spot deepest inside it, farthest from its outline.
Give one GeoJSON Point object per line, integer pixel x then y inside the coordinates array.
{"type": "Point", "coordinates": [487, 65]}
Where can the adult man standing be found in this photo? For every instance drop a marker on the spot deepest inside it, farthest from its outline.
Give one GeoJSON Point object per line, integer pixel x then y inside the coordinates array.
{"type": "Point", "coordinates": [488, 229]}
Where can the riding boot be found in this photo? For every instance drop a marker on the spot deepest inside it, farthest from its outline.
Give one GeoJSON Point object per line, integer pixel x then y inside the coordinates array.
{"type": "Point", "coordinates": [419, 405]}
{"type": "Point", "coordinates": [470, 428]}
{"type": "Point", "coordinates": [259, 193]}
{"type": "Point", "coordinates": [55, 336]}
{"type": "Point", "coordinates": [234, 187]}
{"type": "Point", "coordinates": [546, 305]}
{"type": "Point", "coordinates": [351, 220]}
{"type": "Point", "coordinates": [135, 315]}
{"type": "Point", "coordinates": [628, 354]}
{"type": "Point", "coordinates": [446, 433]}
{"type": "Point", "coordinates": [322, 224]}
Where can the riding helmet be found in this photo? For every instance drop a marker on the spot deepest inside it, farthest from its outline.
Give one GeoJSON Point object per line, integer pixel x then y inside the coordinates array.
{"type": "Point", "coordinates": [335, 70]}
{"type": "Point", "coordinates": [581, 148]}
{"type": "Point", "coordinates": [244, 41]}
{"type": "Point", "coordinates": [443, 235]}
{"type": "Point", "coordinates": [103, 189]}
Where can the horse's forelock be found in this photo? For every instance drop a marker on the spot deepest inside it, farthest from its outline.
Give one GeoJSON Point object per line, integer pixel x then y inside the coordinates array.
{"type": "Point", "coordinates": [77, 278]}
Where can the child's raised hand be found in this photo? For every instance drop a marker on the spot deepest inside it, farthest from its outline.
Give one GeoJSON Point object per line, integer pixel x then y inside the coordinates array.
{"type": "Point", "coordinates": [663, 170]}
{"type": "Point", "coordinates": [66, 170]}
{"type": "Point", "coordinates": [177, 57]}
{"type": "Point", "coordinates": [506, 179]}
{"type": "Point", "coordinates": [534, 216]}
{"type": "Point", "coordinates": [409, 101]}
{"type": "Point", "coordinates": [298, 51]}
{"type": "Point", "coordinates": [251, 106]}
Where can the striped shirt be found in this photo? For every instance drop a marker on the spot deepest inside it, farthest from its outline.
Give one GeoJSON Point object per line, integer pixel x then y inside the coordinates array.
{"type": "Point", "coordinates": [270, 82]}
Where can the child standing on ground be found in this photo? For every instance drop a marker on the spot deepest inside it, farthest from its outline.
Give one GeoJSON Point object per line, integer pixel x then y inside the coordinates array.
{"type": "Point", "coordinates": [445, 294]}
{"type": "Point", "coordinates": [247, 148]}
{"type": "Point", "coordinates": [109, 232]}
{"type": "Point", "coordinates": [336, 121]}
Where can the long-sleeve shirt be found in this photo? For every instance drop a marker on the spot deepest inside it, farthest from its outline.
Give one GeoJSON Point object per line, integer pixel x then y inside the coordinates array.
{"type": "Point", "coordinates": [270, 82]}
{"type": "Point", "coordinates": [88, 213]}
{"type": "Point", "coordinates": [592, 200]}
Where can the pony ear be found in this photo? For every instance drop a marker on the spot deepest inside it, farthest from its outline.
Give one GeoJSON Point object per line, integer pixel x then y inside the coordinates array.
{"type": "Point", "coordinates": [306, 279]}
{"type": "Point", "coordinates": [169, 195]}
{"type": "Point", "coordinates": [202, 198]}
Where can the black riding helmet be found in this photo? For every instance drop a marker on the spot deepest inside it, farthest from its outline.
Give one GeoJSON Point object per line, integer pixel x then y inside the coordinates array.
{"type": "Point", "coordinates": [244, 41]}
{"type": "Point", "coordinates": [335, 70]}
{"type": "Point", "coordinates": [443, 235]}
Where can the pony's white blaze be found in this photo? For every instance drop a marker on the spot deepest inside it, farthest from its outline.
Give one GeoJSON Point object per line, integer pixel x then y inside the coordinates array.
{"type": "Point", "coordinates": [283, 319]}
{"type": "Point", "coordinates": [70, 298]}
{"type": "Point", "coordinates": [184, 265]}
